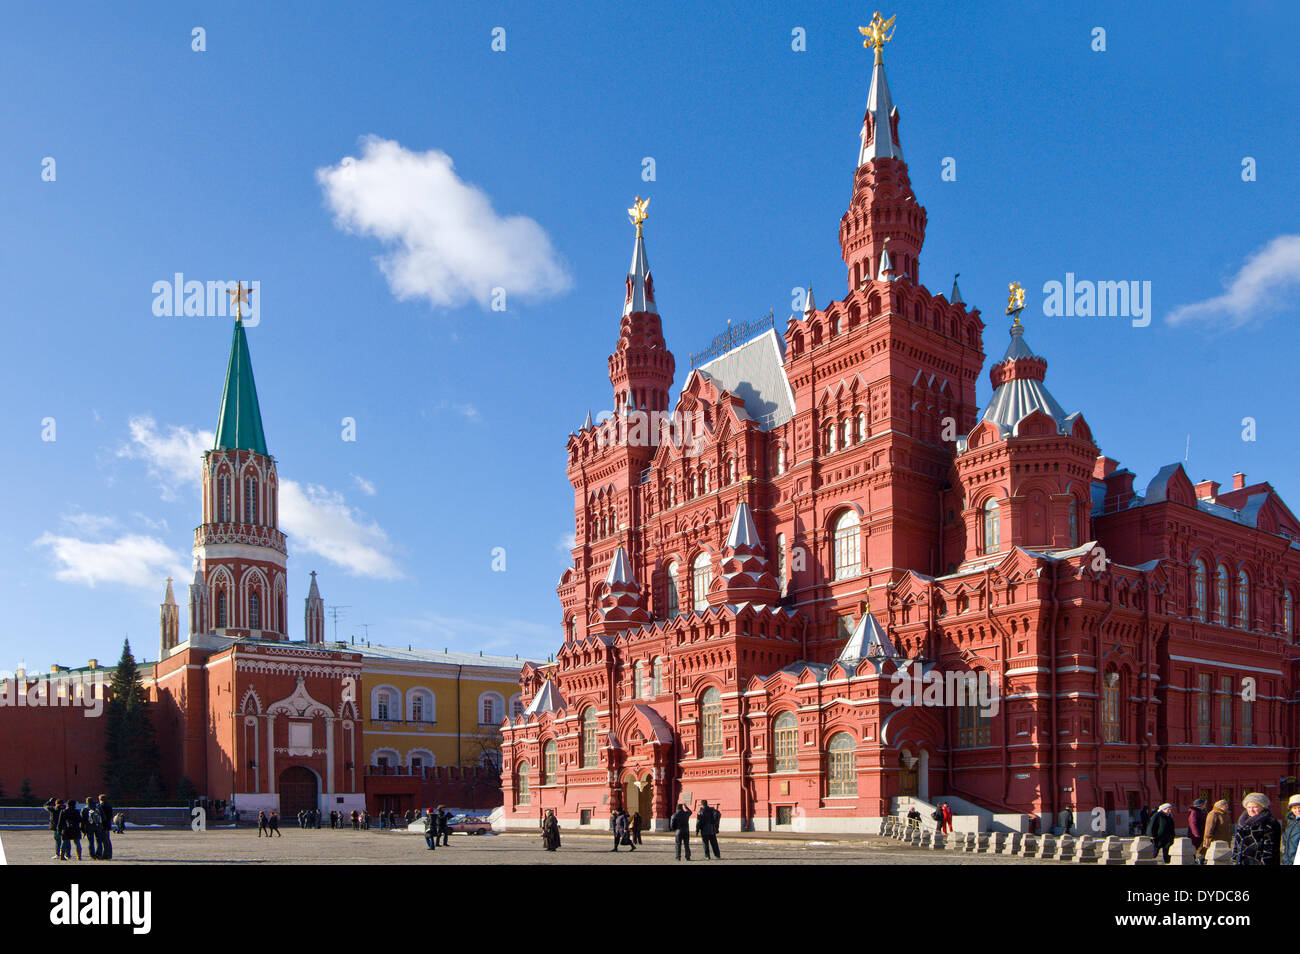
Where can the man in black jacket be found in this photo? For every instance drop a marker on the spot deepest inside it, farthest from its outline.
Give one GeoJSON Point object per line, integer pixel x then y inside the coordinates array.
{"type": "Point", "coordinates": [53, 807]}
{"type": "Point", "coordinates": [105, 811]}
{"type": "Point", "coordinates": [680, 824]}
{"type": "Point", "coordinates": [1161, 829]}
{"type": "Point", "coordinates": [706, 826]}
{"type": "Point", "coordinates": [444, 825]}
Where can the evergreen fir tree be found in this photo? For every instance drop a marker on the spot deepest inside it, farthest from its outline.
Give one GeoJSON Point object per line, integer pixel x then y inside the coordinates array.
{"type": "Point", "coordinates": [131, 766]}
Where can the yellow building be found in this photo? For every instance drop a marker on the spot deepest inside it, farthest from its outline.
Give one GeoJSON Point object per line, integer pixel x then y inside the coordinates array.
{"type": "Point", "coordinates": [425, 710]}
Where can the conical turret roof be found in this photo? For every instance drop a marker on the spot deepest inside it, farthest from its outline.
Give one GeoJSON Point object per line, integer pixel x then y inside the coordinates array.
{"type": "Point", "coordinates": [239, 426]}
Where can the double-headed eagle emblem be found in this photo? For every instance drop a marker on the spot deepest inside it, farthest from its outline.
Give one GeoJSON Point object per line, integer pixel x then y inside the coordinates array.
{"type": "Point", "coordinates": [638, 214]}
{"type": "Point", "coordinates": [878, 32]}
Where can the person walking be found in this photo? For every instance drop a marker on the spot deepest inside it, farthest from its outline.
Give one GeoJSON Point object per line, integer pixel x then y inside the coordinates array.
{"type": "Point", "coordinates": [1161, 829]}
{"type": "Point", "coordinates": [706, 826]}
{"type": "Point", "coordinates": [636, 828]}
{"type": "Point", "coordinates": [947, 817]}
{"type": "Point", "coordinates": [1218, 827]}
{"type": "Point", "coordinates": [275, 825]}
{"type": "Point", "coordinates": [90, 825]}
{"type": "Point", "coordinates": [550, 831]}
{"type": "Point", "coordinates": [620, 831]}
{"type": "Point", "coordinates": [1258, 837]}
{"type": "Point", "coordinates": [261, 825]}
{"type": "Point", "coordinates": [430, 831]}
{"type": "Point", "coordinates": [1291, 833]}
{"type": "Point", "coordinates": [680, 825]}
{"type": "Point", "coordinates": [70, 827]}
{"type": "Point", "coordinates": [1196, 821]}
{"type": "Point", "coordinates": [1067, 820]}
{"type": "Point", "coordinates": [444, 825]}
{"type": "Point", "coordinates": [53, 806]}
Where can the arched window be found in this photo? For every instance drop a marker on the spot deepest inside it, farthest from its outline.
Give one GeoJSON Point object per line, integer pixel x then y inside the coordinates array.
{"type": "Point", "coordinates": [673, 607]}
{"type": "Point", "coordinates": [383, 704]}
{"type": "Point", "coordinates": [711, 724]}
{"type": "Point", "coordinates": [516, 706]}
{"type": "Point", "coordinates": [1199, 580]}
{"type": "Point", "coordinates": [223, 498]}
{"type": "Point", "coordinates": [521, 784]}
{"type": "Point", "coordinates": [701, 577]}
{"type": "Point", "coordinates": [780, 460]}
{"type": "Point", "coordinates": [1243, 600]}
{"type": "Point", "coordinates": [589, 727]}
{"type": "Point", "coordinates": [571, 628]}
{"type": "Point", "coordinates": [731, 471]}
{"type": "Point", "coordinates": [491, 708]}
{"type": "Point", "coordinates": [1074, 522]}
{"type": "Point", "coordinates": [1112, 728]}
{"type": "Point", "coordinates": [417, 709]}
{"type": "Point", "coordinates": [780, 561]}
{"type": "Point", "coordinates": [704, 482]}
{"type": "Point", "coordinates": [845, 535]}
{"type": "Point", "coordinates": [1288, 613]}
{"type": "Point", "coordinates": [250, 499]}
{"type": "Point", "coordinates": [550, 763]}
{"type": "Point", "coordinates": [830, 439]}
{"type": "Point", "coordinates": [221, 609]}
{"type": "Point", "coordinates": [638, 678]}
{"type": "Point", "coordinates": [785, 742]}
{"type": "Point", "coordinates": [657, 677]}
{"type": "Point", "coordinates": [254, 610]}
{"type": "Point", "coordinates": [1221, 595]}
{"type": "Point", "coordinates": [846, 433]}
{"type": "Point", "coordinates": [862, 426]}
{"type": "Point", "coordinates": [992, 527]}
{"type": "Point", "coordinates": [841, 765]}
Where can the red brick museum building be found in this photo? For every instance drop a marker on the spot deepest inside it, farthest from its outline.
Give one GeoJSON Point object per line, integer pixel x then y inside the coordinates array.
{"type": "Point", "coordinates": [827, 510]}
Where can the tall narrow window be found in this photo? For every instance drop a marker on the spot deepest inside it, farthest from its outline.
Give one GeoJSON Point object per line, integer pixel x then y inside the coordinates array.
{"type": "Point", "coordinates": [381, 707]}
{"type": "Point", "coordinates": [657, 677]}
{"type": "Point", "coordinates": [221, 609]}
{"type": "Point", "coordinates": [1110, 708]}
{"type": "Point", "coordinates": [785, 732]}
{"type": "Point", "coordinates": [1288, 613]}
{"type": "Point", "coordinates": [550, 763]}
{"type": "Point", "coordinates": [673, 607]}
{"type": "Point", "coordinates": [1247, 722]}
{"type": "Point", "coordinates": [780, 561]}
{"type": "Point", "coordinates": [701, 578]}
{"type": "Point", "coordinates": [1225, 710]}
{"type": "Point", "coordinates": [973, 724]}
{"type": "Point", "coordinates": [638, 680]}
{"type": "Point", "coordinates": [842, 765]}
{"type": "Point", "coordinates": [862, 426]}
{"type": "Point", "coordinates": [1243, 600]}
{"type": "Point", "coordinates": [992, 527]}
{"type": "Point", "coordinates": [223, 499]}
{"type": "Point", "coordinates": [830, 439]}
{"type": "Point", "coordinates": [250, 500]}
{"type": "Point", "coordinates": [589, 737]}
{"type": "Point", "coordinates": [711, 724]}
{"type": "Point", "coordinates": [489, 715]}
{"type": "Point", "coordinates": [1203, 708]}
{"type": "Point", "coordinates": [1199, 583]}
{"type": "Point", "coordinates": [522, 795]}
{"type": "Point", "coordinates": [1221, 595]}
{"type": "Point", "coordinates": [571, 628]}
{"type": "Point", "coordinates": [1074, 522]}
{"type": "Point", "coordinates": [780, 460]}
{"type": "Point", "coordinates": [254, 610]}
{"type": "Point", "coordinates": [845, 537]}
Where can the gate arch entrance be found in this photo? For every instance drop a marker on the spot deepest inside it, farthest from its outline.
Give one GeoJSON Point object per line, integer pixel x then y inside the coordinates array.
{"type": "Point", "coordinates": [638, 796]}
{"type": "Point", "coordinates": [298, 790]}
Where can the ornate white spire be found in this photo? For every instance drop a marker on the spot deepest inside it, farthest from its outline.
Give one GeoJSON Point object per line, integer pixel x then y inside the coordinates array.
{"type": "Point", "coordinates": [869, 641]}
{"type": "Point", "coordinates": [879, 138]}
{"type": "Point", "coordinates": [314, 614]}
{"type": "Point", "coordinates": [809, 305]}
{"type": "Point", "coordinates": [640, 286]}
{"type": "Point", "coordinates": [956, 298]}
{"type": "Point", "coordinates": [743, 532]}
{"type": "Point", "coordinates": [620, 570]}
{"type": "Point", "coordinates": [886, 273]}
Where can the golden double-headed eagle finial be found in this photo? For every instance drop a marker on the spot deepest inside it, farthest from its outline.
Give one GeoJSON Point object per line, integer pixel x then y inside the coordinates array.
{"type": "Point", "coordinates": [638, 214]}
{"type": "Point", "coordinates": [878, 32]}
{"type": "Point", "coordinates": [1015, 300]}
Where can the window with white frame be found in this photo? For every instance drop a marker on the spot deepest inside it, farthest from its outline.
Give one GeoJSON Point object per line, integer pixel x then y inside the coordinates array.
{"type": "Point", "coordinates": [701, 578]}
{"type": "Point", "coordinates": [845, 535]}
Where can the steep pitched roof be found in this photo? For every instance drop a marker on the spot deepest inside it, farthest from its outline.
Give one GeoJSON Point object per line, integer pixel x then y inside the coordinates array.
{"type": "Point", "coordinates": [755, 373]}
{"type": "Point", "coordinates": [239, 425]}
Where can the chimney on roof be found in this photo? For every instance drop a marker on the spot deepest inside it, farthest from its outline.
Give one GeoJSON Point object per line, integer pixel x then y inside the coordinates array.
{"type": "Point", "coordinates": [1238, 481]}
{"type": "Point", "coordinates": [1207, 489]}
{"type": "Point", "coordinates": [56, 668]}
{"type": "Point", "coordinates": [93, 664]}
{"type": "Point", "coordinates": [1119, 489]}
{"type": "Point", "coordinates": [1104, 467]}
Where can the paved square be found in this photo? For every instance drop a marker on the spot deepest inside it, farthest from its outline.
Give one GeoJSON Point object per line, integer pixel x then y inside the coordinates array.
{"type": "Point", "coordinates": [374, 847]}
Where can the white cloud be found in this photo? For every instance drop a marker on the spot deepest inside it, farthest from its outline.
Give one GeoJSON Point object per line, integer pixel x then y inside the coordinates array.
{"type": "Point", "coordinates": [365, 486]}
{"type": "Point", "coordinates": [446, 244]}
{"type": "Point", "coordinates": [319, 521]}
{"type": "Point", "coordinates": [467, 411]}
{"type": "Point", "coordinates": [130, 560]}
{"type": "Point", "coordinates": [1255, 288]}
{"type": "Point", "coordinates": [566, 543]}
{"type": "Point", "coordinates": [174, 457]}
{"type": "Point", "coordinates": [89, 524]}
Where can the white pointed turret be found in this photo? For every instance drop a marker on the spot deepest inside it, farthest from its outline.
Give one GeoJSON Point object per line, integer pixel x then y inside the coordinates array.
{"type": "Point", "coordinates": [809, 305]}
{"type": "Point", "coordinates": [169, 622]}
{"type": "Point", "coordinates": [878, 127]}
{"type": "Point", "coordinates": [548, 699]}
{"type": "Point", "coordinates": [640, 286]}
{"type": "Point", "coordinates": [955, 297]}
{"type": "Point", "coordinates": [743, 532]}
{"type": "Point", "coordinates": [314, 614]}
{"type": "Point", "coordinates": [620, 569]}
{"type": "Point", "coordinates": [886, 273]}
{"type": "Point", "coordinates": [869, 641]}
{"type": "Point", "coordinates": [200, 621]}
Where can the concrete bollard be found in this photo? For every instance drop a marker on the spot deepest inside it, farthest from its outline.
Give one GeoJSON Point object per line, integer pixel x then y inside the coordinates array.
{"type": "Point", "coordinates": [1142, 851]}
{"type": "Point", "coordinates": [981, 844]}
{"type": "Point", "coordinates": [1046, 847]}
{"type": "Point", "coordinates": [996, 841]}
{"type": "Point", "coordinates": [1065, 848]}
{"type": "Point", "coordinates": [1012, 845]}
{"type": "Point", "coordinates": [1219, 853]}
{"type": "Point", "coordinates": [1029, 846]}
{"type": "Point", "coordinates": [1182, 852]}
{"type": "Point", "coordinates": [1085, 850]}
{"type": "Point", "coordinates": [1112, 851]}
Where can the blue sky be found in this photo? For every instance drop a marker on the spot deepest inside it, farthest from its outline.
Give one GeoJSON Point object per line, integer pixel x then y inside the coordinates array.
{"type": "Point", "coordinates": [1117, 165]}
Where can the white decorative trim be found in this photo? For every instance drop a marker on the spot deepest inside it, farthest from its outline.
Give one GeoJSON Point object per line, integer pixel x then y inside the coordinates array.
{"type": "Point", "coordinates": [300, 704]}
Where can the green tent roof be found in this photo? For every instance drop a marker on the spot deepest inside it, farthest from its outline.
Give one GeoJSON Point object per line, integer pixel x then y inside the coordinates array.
{"type": "Point", "coordinates": [240, 425]}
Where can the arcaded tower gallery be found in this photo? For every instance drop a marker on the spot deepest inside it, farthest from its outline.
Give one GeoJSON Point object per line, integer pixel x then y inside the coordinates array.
{"type": "Point", "coordinates": [828, 512]}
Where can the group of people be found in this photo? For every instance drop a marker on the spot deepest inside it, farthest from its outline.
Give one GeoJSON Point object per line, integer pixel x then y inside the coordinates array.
{"type": "Point", "coordinates": [268, 823]}
{"type": "Point", "coordinates": [627, 829]}
{"type": "Point", "coordinates": [437, 827]}
{"type": "Point", "coordinates": [94, 820]}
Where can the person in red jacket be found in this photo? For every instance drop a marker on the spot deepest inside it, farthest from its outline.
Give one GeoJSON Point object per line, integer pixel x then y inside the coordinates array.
{"type": "Point", "coordinates": [1196, 821]}
{"type": "Point", "coordinates": [947, 818]}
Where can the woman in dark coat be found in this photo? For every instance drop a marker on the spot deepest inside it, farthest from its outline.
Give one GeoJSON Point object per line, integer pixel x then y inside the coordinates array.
{"type": "Point", "coordinates": [1258, 835]}
{"type": "Point", "coordinates": [550, 831]}
{"type": "Point", "coordinates": [1162, 829]}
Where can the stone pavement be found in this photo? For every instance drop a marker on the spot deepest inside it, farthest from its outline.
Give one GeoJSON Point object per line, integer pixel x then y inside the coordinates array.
{"type": "Point", "coordinates": [312, 847]}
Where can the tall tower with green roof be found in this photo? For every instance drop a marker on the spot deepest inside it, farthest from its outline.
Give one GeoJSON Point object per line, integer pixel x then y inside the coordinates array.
{"type": "Point", "coordinates": [239, 551]}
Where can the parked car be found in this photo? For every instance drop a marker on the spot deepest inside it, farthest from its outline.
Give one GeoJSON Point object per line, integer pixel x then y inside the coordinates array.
{"type": "Point", "coordinates": [470, 824]}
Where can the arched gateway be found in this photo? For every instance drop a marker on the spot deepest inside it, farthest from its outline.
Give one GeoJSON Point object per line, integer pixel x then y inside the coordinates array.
{"type": "Point", "coordinates": [298, 790]}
